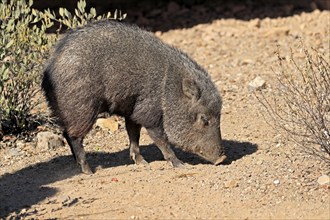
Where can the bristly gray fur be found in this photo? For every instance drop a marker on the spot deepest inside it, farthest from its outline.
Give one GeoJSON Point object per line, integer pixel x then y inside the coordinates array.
{"type": "Point", "coordinates": [109, 66]}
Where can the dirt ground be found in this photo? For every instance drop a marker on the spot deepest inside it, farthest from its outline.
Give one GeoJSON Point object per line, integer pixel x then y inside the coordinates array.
{"type": "Point", "coordinates": [265, 176]}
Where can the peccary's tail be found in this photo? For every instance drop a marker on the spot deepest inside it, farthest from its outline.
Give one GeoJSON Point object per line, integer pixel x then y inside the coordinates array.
{"type": "Point", "coordinates": [76, 119]}
{"type": "Point", "coordinates": [49, 91]}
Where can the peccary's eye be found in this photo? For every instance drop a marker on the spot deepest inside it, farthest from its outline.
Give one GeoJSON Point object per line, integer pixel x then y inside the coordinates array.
{"type": "Point", "coordinates": [204, 120]}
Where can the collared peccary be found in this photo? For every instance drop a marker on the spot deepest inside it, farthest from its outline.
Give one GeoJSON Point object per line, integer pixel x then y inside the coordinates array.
{"type": "Point", "coordinates": [108, 66]}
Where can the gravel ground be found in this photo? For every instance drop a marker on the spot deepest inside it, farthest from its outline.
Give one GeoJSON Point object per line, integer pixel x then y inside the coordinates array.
{"type": "Point", "coordinates": [265, 177]}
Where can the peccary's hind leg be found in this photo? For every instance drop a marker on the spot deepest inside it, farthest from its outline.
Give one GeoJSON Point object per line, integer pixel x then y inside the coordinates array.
{"type": "Point", "coordinates": [78, 152]}
{"type": "Point", "coordinates": [159, 139]}
{"type": "Point", "coordinates": [78, 121]}
{"type": "Point", "coordinates": [133, 131]}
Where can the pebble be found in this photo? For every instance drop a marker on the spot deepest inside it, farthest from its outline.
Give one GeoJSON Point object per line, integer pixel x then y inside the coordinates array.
{"type": "Point", "coordinates": [276, 182]}
{"type": "Point", "coordinates": [323, 180]}
{"type": "Point", "coordinates": [254, 23]}
{"type": "Point", "coordinates": [9, 138]}
{"type": "Point", "coordinates": [158, 33]}
{"type": "Point", "coordinates": [257, 83]}
{"type": "Point", "coordinates": [49, 140]}
{"type": "Point", "coordinates": [277, 32]}
{"type": "Point", "coordinates": [13, 152]}
{"type": "Point", "coordinates": [260, 162]}
{"type": "Point", "coordinates": [20, 144]}
{"type": "Point", "coordinates": [63, 199]}
{"type": "Point", "coordinates": [247, 61]}
{"type": "Point", "coordinates": [231, 184]}
{"type": "Point", "coordinates": [110, 124]}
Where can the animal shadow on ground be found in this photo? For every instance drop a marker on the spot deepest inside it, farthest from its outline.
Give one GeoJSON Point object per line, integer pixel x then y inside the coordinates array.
{"type": "Point", "coordinates": [234, 150]}
{"type": "Point", "coordinates": [27, 186]}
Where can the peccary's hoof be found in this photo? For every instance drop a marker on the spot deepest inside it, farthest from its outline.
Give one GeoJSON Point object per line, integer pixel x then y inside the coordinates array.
{"type": "Point", "coordinates": [138, 159]}
{"type": "Point", "coordinates": [176, 163]}
{"type": "Point", "coordinates": [86, 169]}
{"type": "Point", "coordinates": [142, 162]}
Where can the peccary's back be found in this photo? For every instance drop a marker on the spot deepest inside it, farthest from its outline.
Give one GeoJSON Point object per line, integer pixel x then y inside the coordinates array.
{"type": "Point", "coordinates": [109, 51]}
{"type": "Point", "coordinates": [108, 66]}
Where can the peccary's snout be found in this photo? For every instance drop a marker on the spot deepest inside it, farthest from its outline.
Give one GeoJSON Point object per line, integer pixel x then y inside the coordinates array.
{"type": "Point", "coordinates": [221, 154]}
{"type": "Point", "coordinates": [213, 153]}
{"type": "Point", "coordinates": [218, 157]}
{"type": "Point", "coordinates": [220, 160]}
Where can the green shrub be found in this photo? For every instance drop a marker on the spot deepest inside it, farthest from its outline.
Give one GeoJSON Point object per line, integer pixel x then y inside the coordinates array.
{"type": "Point", "coordinates": [81, 17]}
{"type": "Point", "coordinates": [24, 47]}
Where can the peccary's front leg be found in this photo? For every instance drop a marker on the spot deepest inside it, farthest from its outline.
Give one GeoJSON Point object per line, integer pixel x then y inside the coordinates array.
{"type": "Point", "coordinates": [78, 152]}
{"type": "Point", "coordinates": [133, 131]}
{"type": "Point", "coordinates": [158, 136]}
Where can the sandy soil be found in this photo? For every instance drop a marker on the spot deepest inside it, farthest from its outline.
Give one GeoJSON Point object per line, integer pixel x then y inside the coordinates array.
{"type": "Point", "coordinates": [265, 176]}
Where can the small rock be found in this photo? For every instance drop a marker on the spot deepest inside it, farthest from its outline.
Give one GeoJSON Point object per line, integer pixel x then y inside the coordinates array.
{"type": "Point", "coordinates": [9, 138]}
{"type": "Point", "coordinates": [158, 33]}
{"type": "Point", "coordinates": [114, 179]}
{"type": "Point", "coordinates": [108, 124]}
{"type": "Point", "coordinates": [14, 152]}
{"type": "Point", "coordinates": [20, 144]}
{"type": "Point", "coordinates": [41, 128]}
{"type": "Point", "coordinates": [63, 199]}
{"type": "Point", "coordinates": [49, 140]}
{"type": "Point", "coordinates": [277, 32]}
{"type": "Point", "coordinates": [254, 23]}
{"type": "Point", "coordinates": [276, 182]}
{"type": "Point", "coordinates": [8, 59]}
{"type": "Point", "coordinates": [260, 162]}
{"type": "Point", "coordinates": [323, 180]}
{"type": "Point", "coordinates": [257, 84]}
{"type": "Point", "coordinates": [247, 61]}
{"type": "Point", "coordinates": [231, 184]}
{"type": "Point", "coordinates": [23, 211]}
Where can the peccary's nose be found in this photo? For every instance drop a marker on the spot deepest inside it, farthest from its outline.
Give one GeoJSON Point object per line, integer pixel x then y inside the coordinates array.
{"type": "Point", "coordinates": [222, 157]}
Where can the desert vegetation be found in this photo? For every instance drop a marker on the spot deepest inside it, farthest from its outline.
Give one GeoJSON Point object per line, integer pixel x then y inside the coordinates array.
{"type": "Point", "coordinates": [301, 106]}
{"type": "Point", "coordinates": [25, 46]}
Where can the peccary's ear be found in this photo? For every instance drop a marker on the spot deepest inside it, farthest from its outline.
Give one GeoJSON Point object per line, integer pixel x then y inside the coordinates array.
{"type": "Point", "coordinates": [190, 89]}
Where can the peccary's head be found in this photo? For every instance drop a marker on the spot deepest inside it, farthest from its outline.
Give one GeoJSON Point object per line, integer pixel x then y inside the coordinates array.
{"type": "Point", "coordinates": [192, 108]}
